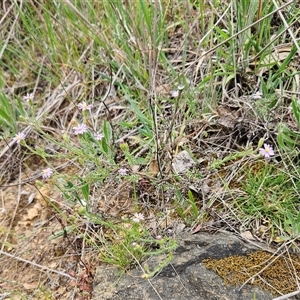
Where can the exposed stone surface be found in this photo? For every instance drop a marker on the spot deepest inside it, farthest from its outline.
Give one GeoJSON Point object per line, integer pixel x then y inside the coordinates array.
{"type": "Point", "coordinates": [185, 278]}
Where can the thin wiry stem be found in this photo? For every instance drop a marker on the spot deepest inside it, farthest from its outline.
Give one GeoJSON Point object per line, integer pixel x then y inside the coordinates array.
{"type": "Point", "coordinates": [36, 265]}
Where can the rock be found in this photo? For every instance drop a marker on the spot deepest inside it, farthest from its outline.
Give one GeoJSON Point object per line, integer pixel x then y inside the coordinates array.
{"type": "Point", "coordinates": [32, 213]}
{"type": "Point", "coordinates": [182, 162]}
{"type": "Point", "coordinates": [185, 278]}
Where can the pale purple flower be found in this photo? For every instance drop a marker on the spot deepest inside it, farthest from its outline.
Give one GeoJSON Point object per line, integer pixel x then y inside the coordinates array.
{"type": "Point", "coordinates": [99, 136]}
{"type": "Point", "coordinates": [28, 96]}
{"type": "Point", "coordinates": [123, 171]}
{"type": "Point", "coordinates": [174, 94]}
{"type": "Point", "coordinates": [137, 217]}
{"type": "Point", "coordinates": [83, 106]}
{"type": "Point", "coordinates": [46, 173]}
{"type": "Point", "coordinates": [19, 137]}
{"type": "Point", "coordinates": [267, 151]}
{"type": "Point", "coordinates": [80, 129]}
{"type": "Point", "coordinates": [257, 95]}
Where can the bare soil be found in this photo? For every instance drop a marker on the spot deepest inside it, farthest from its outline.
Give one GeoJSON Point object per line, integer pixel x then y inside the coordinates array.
{"type": "Point", "coordinates": [32, 264]}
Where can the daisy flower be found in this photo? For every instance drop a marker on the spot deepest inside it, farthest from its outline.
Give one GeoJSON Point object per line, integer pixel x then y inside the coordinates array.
{"type": "Point", "coordinates": [80, 129]}
{"type": "Point", "coordinates": [257, 95]}
{"type": "Point", "coordinates": [28, 97]}
{"type": "Point", "coordinates": [174, 94]}
{"type": "Point", "coordinates": [98, 136]}
{"type": "Point", "coordinates": [267, 151]}
{"type": "Point", "coordinates": [123, 171]}
{"type": "Point", "coordinates": [46, 174]}
{"type": "Point", "coordinates": [19, 137]}
{"type": "Point", "coordinates": [137, 217]}
{"type": "Point", "coordinates": [83, 106]}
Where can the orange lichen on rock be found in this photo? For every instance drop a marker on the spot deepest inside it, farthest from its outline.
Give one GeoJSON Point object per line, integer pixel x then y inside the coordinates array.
{"type": "Point", "coordinates": [276, 273]}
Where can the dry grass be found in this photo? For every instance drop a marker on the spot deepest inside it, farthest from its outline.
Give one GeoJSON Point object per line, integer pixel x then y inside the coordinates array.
{"type": "Point", "coordinates": [127, 61]}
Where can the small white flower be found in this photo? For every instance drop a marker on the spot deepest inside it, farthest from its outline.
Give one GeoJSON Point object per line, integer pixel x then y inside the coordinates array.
{"type": "Point", "coordinates": [46, 174]}
{"type": "Point", "coordinates": [80, 129]}
{"type": "Point", "coordinates": [137, 217]}
{"type": "Point", "coordinates": [83, 106]}
{"type": "Point", "coordinates": [257, 95]}
{"type": "Point", "coordinates": [123, 171]}
{"type": "Point", "coordinates": [19, 137]}
{"type": "Point", "coordinates": [28, 96]}
{"type": "Point", "coordinates": [98, 136]}
{"type": "Point", "coordinates": [174, 94]}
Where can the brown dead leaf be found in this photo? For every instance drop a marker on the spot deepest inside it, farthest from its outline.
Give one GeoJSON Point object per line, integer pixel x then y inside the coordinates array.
{"type": "Point", "coordinates": [30, 286]}
{"type": "Point", "coordinates": [182, 162]}
{"type": "Point", "coordinates": [163, 90]}
{"type": "Point", "coordinates": [227, 117]}
{"type": "Point", "coordinates": [279, 239]}
{"type": "Point", "coordinates": [262, 229]}
{"type": "Point", "coordinates": [181, 141]}
{"type": "Point", "coordinates": [73, 283]}
{"type": "Point", "coordinates": [135, 168]}
{"type": "Point", "coordinates": [153, 168]}
{"type": "Point", "coordinates": [247, 235]}
{"type": "Point", "coordinates": [197, 229]}
{"type": "Point", "coordinates": [280, 53]}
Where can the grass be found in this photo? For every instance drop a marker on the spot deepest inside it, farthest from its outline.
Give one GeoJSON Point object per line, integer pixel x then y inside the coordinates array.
{"type": "Point", "coordinates": [126, 61]}
{"type": "Point", "coordinates": [269, 193]}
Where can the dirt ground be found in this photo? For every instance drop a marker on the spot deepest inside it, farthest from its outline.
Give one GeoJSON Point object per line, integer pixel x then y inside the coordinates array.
{"type": "Point", "coordinates": [32, 264]}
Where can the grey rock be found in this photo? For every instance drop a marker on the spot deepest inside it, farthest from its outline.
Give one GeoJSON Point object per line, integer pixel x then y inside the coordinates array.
{"type": "Point", "coordinates": [185, 278]}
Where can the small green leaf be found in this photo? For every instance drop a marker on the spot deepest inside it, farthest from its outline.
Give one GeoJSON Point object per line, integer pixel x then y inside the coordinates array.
{"type": "Point", "coordinates": [61, 233]}
{"type": "Point", "coordinates": [296, 111]}
{"type": "Point", "coordinates": [85, 189]}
